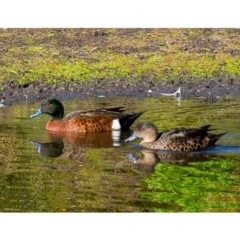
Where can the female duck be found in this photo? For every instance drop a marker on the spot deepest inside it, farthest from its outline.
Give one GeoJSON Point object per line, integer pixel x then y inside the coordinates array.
{"type": "Point", "coordinates": [176, 139]}
{"type": "Point", "coordinates": [94, 120]}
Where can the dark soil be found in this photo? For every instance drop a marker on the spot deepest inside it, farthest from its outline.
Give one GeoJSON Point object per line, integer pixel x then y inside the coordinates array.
{"type": "Point", "coordinates": [209, 90]}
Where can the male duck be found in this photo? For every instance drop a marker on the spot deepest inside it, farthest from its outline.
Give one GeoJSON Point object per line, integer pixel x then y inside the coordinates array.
{"type": "Point", "coordinates": [94, 120]}
{"type": "Point", "coordinates": [176, 139]}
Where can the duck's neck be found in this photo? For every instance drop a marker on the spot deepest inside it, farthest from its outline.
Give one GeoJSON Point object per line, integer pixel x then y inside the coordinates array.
{"type": "Point", "coordinates": [58, 117]}
{"type": "Point", "coordinates": [158, 136]}
{"type": "Point", "coordinates": [58, 114]}
{"type": "Point", "coordinates": [151, 137]}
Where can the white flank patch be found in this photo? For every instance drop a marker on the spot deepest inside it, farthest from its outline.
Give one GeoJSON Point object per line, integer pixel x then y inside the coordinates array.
{"type": "Point", "coordinates": [116, 125]}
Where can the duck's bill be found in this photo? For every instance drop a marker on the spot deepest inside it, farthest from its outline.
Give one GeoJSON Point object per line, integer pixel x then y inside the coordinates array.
{"type": "Point", "coordinates": [131, 138]}
{"type": "Point", "coordinates": [37, 113]}
{"type": "Point", "coordinates": [37, 144]}
{"type": "Point", "coordinates": [131, 157]}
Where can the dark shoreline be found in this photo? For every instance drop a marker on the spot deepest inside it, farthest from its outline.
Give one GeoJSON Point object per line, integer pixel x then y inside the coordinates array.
{"type": "Point", "coordinates": [208, 90]}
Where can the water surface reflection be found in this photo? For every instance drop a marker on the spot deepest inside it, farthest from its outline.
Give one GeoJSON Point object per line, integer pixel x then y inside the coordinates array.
{"type": "Point", "coordinates": [146, 160]}
{"type": "Point", "coordinates": [44, 171]}
{"type": "Point", "coordinates": [54, 147]}
{"type": "Point", "coordinates": [49, 149]}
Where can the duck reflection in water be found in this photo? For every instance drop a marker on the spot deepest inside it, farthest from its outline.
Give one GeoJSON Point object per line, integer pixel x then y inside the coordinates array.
{"type": "Point", "coordinates": [49, 149]}
{"type": "Point", "coordinates": [150, 158]}
{"type": "Point", "coordinates": [55, 146]}
{"type": "Point", "coordinates": [88, 139]}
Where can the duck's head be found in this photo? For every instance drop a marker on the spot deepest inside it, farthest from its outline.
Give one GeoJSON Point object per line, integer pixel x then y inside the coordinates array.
{"type": "Point", "coordinates": [145, 130]}
{"type": "Point", "coordinates": [52, 107]}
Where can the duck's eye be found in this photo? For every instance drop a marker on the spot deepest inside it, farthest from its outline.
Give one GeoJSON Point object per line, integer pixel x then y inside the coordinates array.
{"type": "Point", "coordinates": [141, 128]}
{"type": "Point", "coordinates": [47, 103]}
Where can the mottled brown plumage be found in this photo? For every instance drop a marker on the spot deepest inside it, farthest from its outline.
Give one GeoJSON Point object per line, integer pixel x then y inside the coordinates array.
{"type": "Point", "coordinates": [177, 139]}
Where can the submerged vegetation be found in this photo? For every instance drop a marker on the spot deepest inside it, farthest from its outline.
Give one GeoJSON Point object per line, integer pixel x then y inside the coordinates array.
{"type": "Point", "coordinates": [95, 55]}
{"type": "Point", "coordinates": [200, 187]}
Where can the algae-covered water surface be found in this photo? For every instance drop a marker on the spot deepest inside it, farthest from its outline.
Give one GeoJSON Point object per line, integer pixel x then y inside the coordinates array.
{"type": "Point", "coordinates": [99, 172]}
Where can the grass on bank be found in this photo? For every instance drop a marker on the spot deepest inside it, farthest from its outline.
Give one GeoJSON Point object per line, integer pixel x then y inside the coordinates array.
{"type": "Point", "coordinates": [159, 54]}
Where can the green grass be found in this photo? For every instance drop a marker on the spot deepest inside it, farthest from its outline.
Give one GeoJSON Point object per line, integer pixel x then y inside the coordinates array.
{"type": "Point", "coordinates": [78, 55]}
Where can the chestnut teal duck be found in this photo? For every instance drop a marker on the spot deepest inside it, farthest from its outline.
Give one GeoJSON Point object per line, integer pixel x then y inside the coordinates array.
{"type": "Point", "coordinates": [183, 139]}
{"type": "Point", "coordinates": [94, 120]}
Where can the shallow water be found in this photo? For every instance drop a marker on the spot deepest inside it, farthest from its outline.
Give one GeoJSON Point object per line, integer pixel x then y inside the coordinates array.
{"type": "Point", "coordinates": [41, 172]}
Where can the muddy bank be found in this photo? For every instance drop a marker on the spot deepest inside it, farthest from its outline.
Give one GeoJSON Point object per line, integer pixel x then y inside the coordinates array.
{"type": "Point", "coordinates": [206, 90]}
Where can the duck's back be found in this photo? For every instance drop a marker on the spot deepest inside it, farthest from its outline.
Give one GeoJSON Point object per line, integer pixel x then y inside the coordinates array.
{"type": "Point", "coordinates": [113, 113]}
{"type": "Point", "coordinates": [186, 132]}
{"type": "Point", "coordinates": [103, 118]}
